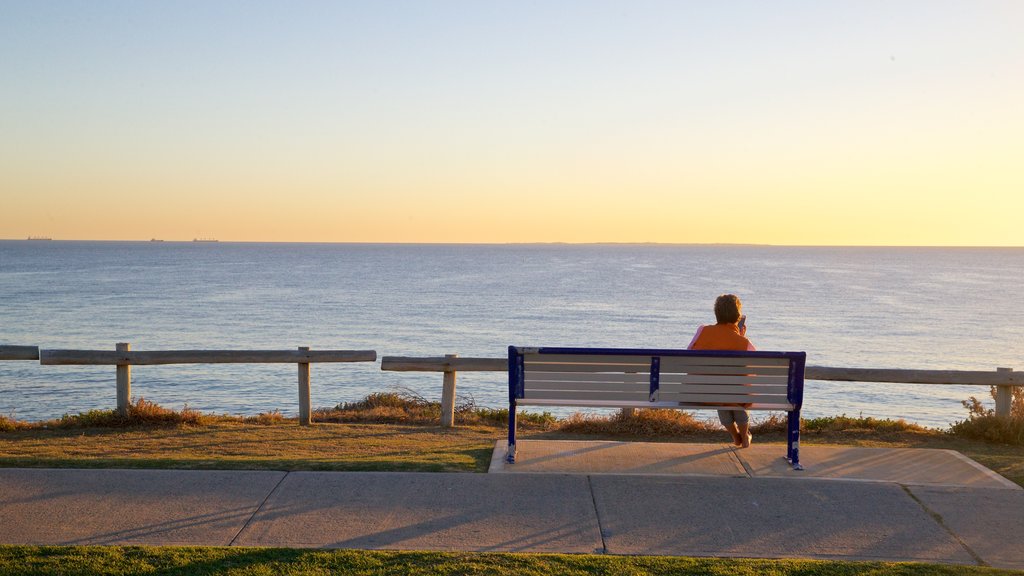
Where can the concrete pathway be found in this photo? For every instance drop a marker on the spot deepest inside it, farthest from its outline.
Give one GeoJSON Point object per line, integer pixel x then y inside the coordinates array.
{"type": "Point", "coordinates": [908, 466]}
{"type": "Point", "coordinates": [722, 510]}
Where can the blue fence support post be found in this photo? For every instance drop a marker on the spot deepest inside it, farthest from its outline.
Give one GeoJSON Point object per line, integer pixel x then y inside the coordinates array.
{"type": "Point", "coordinates": [795, 396]}
{"type": "Point", "coordinates": [655, 378]}
{"type": "Point", "coordinates": [793, 439]}
{"type": "Point", "coordinates": [514, 376]}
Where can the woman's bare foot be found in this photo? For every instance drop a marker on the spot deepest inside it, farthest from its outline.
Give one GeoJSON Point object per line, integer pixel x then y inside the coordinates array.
{"type": "Point", "coordinates": [746, 441]}
{"type": "Point", "coordinates": [737, 436]}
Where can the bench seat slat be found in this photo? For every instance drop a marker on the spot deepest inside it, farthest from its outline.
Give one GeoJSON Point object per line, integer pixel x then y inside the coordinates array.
{"type": "Point", "coordinates": [591, 368]}
{"type": "Point", "coordinates": [685, 363]}
{"type": "Point", "coordinates": [583, 385]}
{"type": "Point", "coordinates": [719, 398]}
{"type": "Point", "coordinates": [533, 385]}
{"type": "Point", "coordinates": [713, 379]}
{"type": "Point", "coordinates": [620, 377]}
{"type": "Point", "coordinates": [640, 396]}
{"type": "Point", "coordinates": [730, 370]}
{"type": "Point", "coordinates": [587, 359]}
{"type": "Point", "coordinates": [675, 388]}
{"type": "Point", "coordinates": [769, 405]}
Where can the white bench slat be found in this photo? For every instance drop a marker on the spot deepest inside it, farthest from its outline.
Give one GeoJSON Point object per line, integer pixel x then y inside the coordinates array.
{"type": "Point", "coordinates": [539, 376]}
{"type": "Point", "coordinates": [664, 396]}
{"type": "Point", "coordinates": [675, 388]}
{"type": "Point", "coordinates": [768, 405]}
{"type": "Point", "coordinates": [584, 395]}
{"type": "Point", "coordinates": [584, 385]}
{"type": "Point", "coordinates": [763, 405]}
{"type": "Point", "coordinates": [594, 403]}
{"type": "Point", "coordinates": [730, 370]}
{"type": "Point", "coordinates": [622, 359]}
{"type": "Point", "coordinates": [685, 363]}
{"type": "Point", "coordinates": [668, 363]}
{"type": "Point", "coordinates": [715, 379]}
{"type": "Point", "coordinates": [591, 368]}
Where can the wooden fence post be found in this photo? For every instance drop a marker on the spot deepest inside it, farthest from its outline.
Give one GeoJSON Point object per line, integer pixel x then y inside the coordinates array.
{"type": "Point", "coordinates": [1004, 397]}
{"type": "Point", "coordinates": [448, 395]}
{"type": "Point", "coordinates": [305, 418]}
{"type": "Point", "coordinates": [627, 412]}
{"type": "Point", "coordinates": [124, 382]}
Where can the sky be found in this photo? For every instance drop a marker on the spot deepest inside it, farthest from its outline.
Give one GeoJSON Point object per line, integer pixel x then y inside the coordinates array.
{"type": "Point", "coordinates": [866, 122]}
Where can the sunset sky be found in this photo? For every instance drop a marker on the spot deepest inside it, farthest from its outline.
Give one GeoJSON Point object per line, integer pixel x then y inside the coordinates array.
{"type": "Point", "coordinates": [863, 122]}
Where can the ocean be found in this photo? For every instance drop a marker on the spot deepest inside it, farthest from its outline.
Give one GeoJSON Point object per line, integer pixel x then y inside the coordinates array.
{"type": "Point", "coordinates": [928, 308]}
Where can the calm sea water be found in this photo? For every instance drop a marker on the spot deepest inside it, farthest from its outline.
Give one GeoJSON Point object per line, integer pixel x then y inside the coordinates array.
{"type": "Point", "coordinates": [860, 307]}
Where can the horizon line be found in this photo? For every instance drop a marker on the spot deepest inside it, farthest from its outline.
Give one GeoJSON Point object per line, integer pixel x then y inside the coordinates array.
{"type": "Point", "coordinates": [207, 240]}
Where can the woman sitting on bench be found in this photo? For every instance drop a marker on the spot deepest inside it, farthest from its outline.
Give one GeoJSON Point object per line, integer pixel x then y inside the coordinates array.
{"type": "Point", "coordinates": [728, 334]}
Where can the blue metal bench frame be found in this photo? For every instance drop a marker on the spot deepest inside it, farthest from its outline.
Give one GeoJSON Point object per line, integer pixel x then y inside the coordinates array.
{"type": "Point", "coordinates": [794, 386]}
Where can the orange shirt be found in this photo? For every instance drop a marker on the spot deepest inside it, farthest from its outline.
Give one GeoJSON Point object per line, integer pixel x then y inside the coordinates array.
{"type": "Point", "coordinates": [720, 337]}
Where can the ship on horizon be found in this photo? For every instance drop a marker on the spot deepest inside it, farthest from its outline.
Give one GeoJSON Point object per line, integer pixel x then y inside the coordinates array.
{"type": "Point", "coordinates": [205, 240]}
{"type": "Point", "coordinates": [39, 238]}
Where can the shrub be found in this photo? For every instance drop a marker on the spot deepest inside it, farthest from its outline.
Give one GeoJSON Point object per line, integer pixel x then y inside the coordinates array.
{"type": "Point", "coordinates": [664, 422]}
{"type": "Point", "coordinates": [847, 424]}
{"type": "Point", "coordinates": [982, 423]}
{"type": "Point", "coordinates": [773, 423]}
{"type": "Point", "coordinates": [991, 429]}
{"type": "Point", "coordinates": [9, 424]}
{"type": "Point", "coordinates": [140, 413]}
{"type": "Point", "coordinates": [402, 400]}
{"type": "Point", "coordinates": [976, 408]}
{"type": "Point", "coordinates": [391, 407]}
{"type": "Point", "coordinates": [271, 418]}
{"type": "Point", "coordinates": [644, 423]}
{"type": "Point", "coordinates": [407, 407]}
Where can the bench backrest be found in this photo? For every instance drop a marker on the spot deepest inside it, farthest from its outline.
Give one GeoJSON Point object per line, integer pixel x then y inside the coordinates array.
{"type": "Point", "coordinates": [655, 378]}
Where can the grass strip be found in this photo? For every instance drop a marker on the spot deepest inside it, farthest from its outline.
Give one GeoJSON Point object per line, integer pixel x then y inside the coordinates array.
{"type": "Point", "coordinates": [170, 561]}
{"type": "Point", "coordinates": [395, 432]}
{"type": "Point", "coordinates": [238, 445]}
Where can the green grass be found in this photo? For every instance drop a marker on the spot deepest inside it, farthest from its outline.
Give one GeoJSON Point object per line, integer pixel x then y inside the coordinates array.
{"type": "Point", "coordinates": [169, 561]}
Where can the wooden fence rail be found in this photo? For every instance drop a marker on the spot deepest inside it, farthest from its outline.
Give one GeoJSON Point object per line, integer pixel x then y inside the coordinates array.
{"type": "Point", "coordinates": [154, 357]}
{"type": "Point", "coordinates": [19, 352]}
{"type": "Point", "coordinates": [1004, 379]}
{"type": "Point", "coordinates": [124, 358]}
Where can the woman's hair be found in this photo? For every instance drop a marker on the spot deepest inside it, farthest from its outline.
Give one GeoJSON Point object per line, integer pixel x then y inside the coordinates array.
{"type": "Point", "coordinates": [727, 309]}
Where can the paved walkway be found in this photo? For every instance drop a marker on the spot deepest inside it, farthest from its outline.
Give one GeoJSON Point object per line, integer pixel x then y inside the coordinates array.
{"type": "Point", "coordinates": [908, 466]}
{"type": "Point", "coordinates": [670, 506]}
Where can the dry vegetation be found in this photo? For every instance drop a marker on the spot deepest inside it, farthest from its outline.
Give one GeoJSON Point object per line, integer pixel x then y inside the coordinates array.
{"type": "Point", "coordinates": [140, 413]}
{"type": "Point", "coordinates": [400, 431]}
{"type": "Point", "coordinates": [982, 424]}
{"type": "Point", "coordinates": [407, 407]}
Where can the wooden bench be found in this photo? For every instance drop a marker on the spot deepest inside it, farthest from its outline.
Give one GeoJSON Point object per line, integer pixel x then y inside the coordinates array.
{"type": "Point", "coordinates": [638, 378]}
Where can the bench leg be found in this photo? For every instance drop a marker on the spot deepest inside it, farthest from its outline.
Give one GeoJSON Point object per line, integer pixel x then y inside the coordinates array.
{"type": "Point", "coordinates": [510, 454]}
{"type": "Point", "coordinates": [793, 439]}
